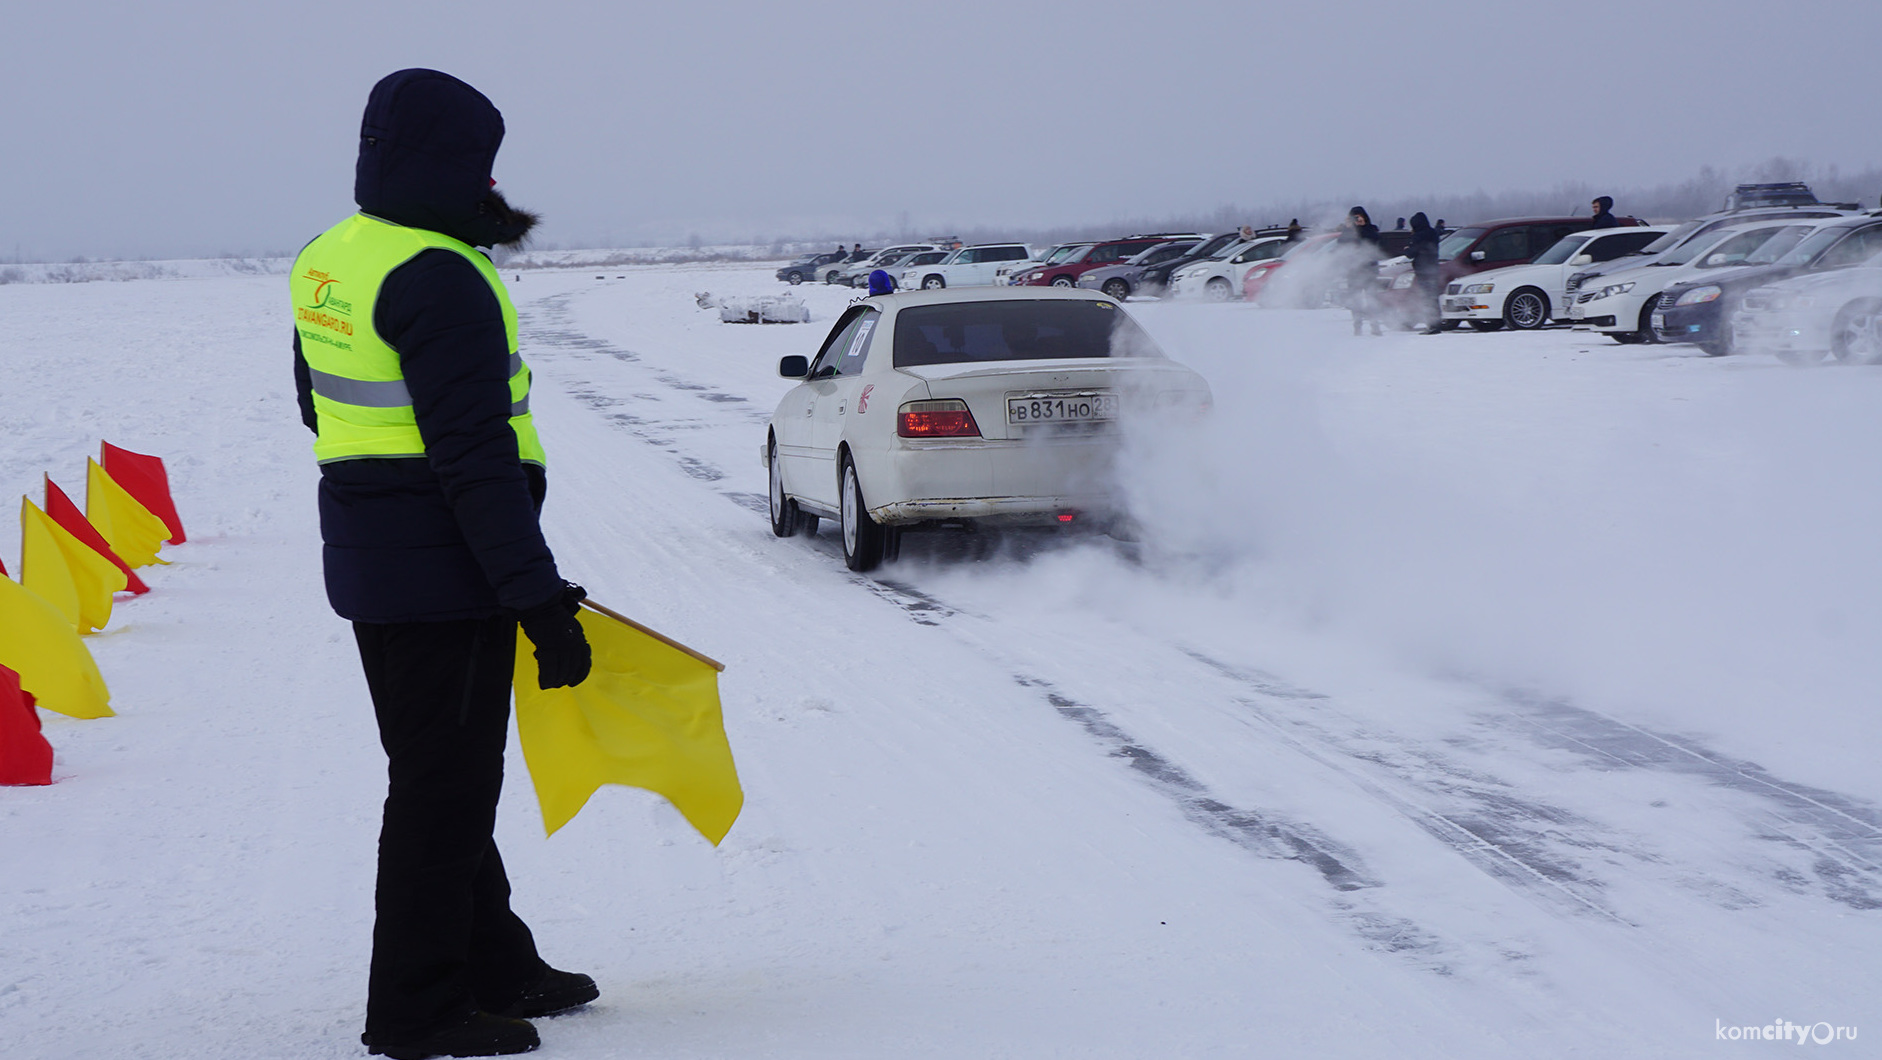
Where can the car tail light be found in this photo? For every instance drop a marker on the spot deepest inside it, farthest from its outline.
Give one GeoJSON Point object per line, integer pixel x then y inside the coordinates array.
{"type": "Point", "coordinates": [936, 419]}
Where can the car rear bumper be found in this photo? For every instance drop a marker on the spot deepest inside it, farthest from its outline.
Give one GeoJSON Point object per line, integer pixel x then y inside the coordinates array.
{"type": "Point", "coordinates": [1010, 480]}
{"type": "Point", "coordinates": [1011, 511]}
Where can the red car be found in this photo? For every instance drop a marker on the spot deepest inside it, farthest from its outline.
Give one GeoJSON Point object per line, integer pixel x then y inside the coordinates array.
{"type": "Point", "coordinates": [1257, 277]}
{"type": "Point", "coordinates": [1067, 272]}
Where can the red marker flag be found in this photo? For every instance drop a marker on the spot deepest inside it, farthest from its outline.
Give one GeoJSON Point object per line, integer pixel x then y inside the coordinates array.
{"type": "Point", "coordinates": [66, 514]}
{"type": "Point", "coordinates": [25, 756]}
{"type": "Point", "coordinates": [143, 477]}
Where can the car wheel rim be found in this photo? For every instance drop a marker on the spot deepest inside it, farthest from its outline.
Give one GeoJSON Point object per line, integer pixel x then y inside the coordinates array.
{"type": "Point", "coordinates": [849, 510]}
{"type": "Point", "coordinates": [1526, 311]}
{"type": "Point", "coordinates": [1862, 336]}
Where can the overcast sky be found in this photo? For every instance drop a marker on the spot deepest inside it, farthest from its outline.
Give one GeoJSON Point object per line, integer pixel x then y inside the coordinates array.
{"type": "Point", "coordinates": [191, 128]}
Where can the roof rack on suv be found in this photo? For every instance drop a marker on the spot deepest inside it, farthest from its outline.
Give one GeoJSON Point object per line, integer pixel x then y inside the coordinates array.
{"type": "Point", "coordinates": [1786, 193]}
{"type": "Point", "coordinates": [1165, 235]}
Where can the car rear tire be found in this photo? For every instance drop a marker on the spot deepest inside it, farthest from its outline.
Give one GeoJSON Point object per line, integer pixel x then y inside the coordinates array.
{"type": "Point", "coordinates": [794, 278]}
{"type": "Point", "coordinates": [1217, 290]}
{"type": "Point", "coordinates": [1856, 337]}
{"type": "Point", "coordinates": [1064, 281]}
{"type": "Point", "coordinates": [933, 283]}
{"type": "Point", "coordinates": [863, 537]}
{"type": "Point", "coordinates": [1485, 325]}
{"type": "Point", "coordinates": [1117, 288]}
{"type": "Point", "coordinates": [830, 277]}
{"type": "Point", "coordinates": [787, 519]}
{"type": "Point", "coordinates": [1526, 309]}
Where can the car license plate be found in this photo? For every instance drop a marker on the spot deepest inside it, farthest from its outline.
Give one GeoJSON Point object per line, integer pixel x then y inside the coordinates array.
{"type": "Point", "coordinates": [1061, 406]}
{"type": "Point", "coordinates": [1659, 321]}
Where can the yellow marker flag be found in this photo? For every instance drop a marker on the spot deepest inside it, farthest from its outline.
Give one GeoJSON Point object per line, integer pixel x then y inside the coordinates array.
{"type": "Point", "coordinates": [38, 643]}
{"type": "Point", "coordinates": [128, 527]}
{"type": "Point", "coordinates": [69, 573]}
{"type": "Point", "coordinates": [647, 717]}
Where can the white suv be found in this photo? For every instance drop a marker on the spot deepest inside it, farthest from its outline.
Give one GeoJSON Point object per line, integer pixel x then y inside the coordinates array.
{"type": "Point", "coordinates": [969, 265]}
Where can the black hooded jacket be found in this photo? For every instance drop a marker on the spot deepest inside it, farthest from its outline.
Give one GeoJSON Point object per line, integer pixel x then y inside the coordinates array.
{"type": "Point", "coordinates": [1423, 249]}
{"type": "Point", "coordinates": [452, 534]}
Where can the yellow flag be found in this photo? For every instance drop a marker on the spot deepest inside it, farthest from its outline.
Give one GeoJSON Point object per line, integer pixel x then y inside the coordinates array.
{"type": "Point", "coordinates": [128, 527]}
{"type": "Point", "coordinates": [66, 571]}
{"type": "Point", "coordinates": [647, 717]}
{"type": "Point", "coordinates": [38, 643]}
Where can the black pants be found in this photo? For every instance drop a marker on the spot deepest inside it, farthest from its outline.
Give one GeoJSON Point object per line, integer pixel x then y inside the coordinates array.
{"type": "Point", "coordinates": [445, 942]}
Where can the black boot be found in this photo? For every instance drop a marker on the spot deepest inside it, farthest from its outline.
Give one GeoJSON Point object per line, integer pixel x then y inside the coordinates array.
{"type": "Point", "coordinates": [556, 991]}
{"type": "Point", "coordinates": [480, 1034]}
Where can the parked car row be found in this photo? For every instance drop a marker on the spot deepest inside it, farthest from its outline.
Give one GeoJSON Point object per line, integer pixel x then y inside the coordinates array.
{"type": "Point", "coordinates": [1775, 269]}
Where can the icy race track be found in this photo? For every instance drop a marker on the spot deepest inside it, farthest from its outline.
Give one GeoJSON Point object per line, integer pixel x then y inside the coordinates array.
{"type": "Point", "coordinates": [1472, 696]}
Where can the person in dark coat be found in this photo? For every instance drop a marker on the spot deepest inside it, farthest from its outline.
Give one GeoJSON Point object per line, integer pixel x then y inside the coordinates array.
{"type": "Point", "coordinates": [435, 558]}
{"type": "Point", "coordinates": [1604, 213]}
{"type": "Point", "coordinates": [1359, 243]}
{"type": "Point", "coordinates": [1426, 279]}
{"type": "Point", "coordinates": [1293, 230]}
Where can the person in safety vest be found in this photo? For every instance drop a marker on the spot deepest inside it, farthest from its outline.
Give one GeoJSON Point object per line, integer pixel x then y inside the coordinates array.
{"type": "Point", "coordinates": [432, 477]}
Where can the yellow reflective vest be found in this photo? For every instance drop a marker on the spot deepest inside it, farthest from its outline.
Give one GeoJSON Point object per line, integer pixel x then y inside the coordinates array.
{"type": "Point", "coordinates": [362, 405]}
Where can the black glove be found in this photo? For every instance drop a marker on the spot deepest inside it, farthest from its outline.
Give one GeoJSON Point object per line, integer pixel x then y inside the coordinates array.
{"type": "Point", "coordinates": [562, 653]}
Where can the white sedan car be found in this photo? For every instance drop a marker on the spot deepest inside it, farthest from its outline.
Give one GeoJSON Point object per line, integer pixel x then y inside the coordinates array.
{"type": "Point", "coordinates": [1526, 296]}
{"type": "Point", "coordinates": [994, 405]}
{"type": "Point", "coordinates": [1806, 318]}
{"type": "Point", "coordinates": [1219, 279]}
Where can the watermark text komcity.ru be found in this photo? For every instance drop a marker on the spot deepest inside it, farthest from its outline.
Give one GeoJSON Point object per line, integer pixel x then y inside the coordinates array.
{"type": "Point", "coordinates": [1784, 1031]}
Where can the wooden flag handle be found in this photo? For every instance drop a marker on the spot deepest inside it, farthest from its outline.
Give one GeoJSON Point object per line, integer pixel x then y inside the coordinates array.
{"type": "Point", "coordinates": [661, 637]}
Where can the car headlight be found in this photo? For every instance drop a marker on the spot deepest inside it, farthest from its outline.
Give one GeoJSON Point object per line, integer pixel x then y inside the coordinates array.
{"type": "Point", "coordinates": [1613, 289]}
{"type": "Point", "coordinates": [1480, 288]}
{"type": "Point", "coordinates": [1402, 282]}
{"type": "Point", "coordinates": [1700, 294]}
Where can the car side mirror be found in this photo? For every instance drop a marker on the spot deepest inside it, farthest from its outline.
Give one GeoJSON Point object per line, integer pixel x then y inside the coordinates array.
{"type": "Point", "coordinates": [796, 366]}
{"type": "Point", "coordinates": [1476, 255]}
{"type": "Point", "coordinates": [1582, 259]}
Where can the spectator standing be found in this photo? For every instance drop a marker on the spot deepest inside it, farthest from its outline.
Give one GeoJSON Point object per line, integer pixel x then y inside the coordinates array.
{"type": "Point", "coordinates": [1426, 280]}
{"type": "Point", "coordinates": [1359, 243]}
{"type": "Point", "coordinates": [1604, 213]}
{"type": "Point", "coordinates": [1293, 230]}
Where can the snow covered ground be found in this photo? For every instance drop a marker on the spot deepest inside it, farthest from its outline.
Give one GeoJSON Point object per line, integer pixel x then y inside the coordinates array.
{"type": "Point", "coordinates": [1472, 696]}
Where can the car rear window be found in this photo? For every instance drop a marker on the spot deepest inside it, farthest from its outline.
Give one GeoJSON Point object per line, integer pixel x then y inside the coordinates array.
{"type": "Point", "coordinates": [1006, 330]}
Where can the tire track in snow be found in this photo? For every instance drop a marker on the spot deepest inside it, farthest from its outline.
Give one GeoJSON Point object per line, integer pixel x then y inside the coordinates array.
{"type": "Point", "coordinates": [1841, 837]}
{"type": "Point", "coordinates": [1506, 836]}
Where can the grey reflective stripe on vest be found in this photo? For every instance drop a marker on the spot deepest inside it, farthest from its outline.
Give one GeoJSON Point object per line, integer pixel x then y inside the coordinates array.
{"type": "Point", "coordinates": [371, 394]}
{"type": "Point", "coordinates": [387, 393]}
